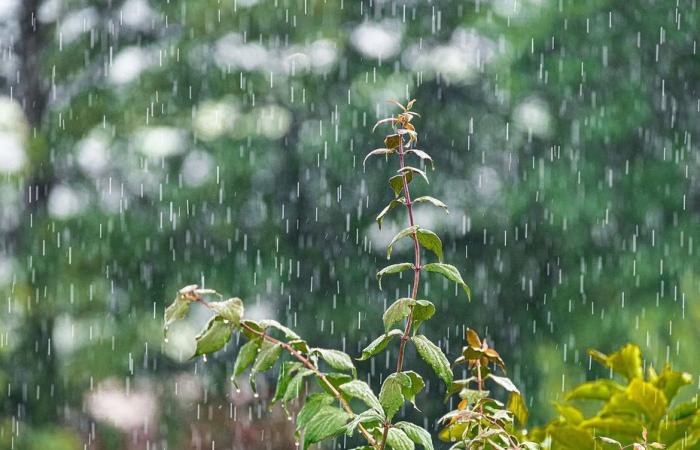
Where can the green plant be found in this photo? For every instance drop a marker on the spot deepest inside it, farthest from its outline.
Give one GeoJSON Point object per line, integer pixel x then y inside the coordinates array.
{"type": "Point", "coordinates": [637, 413]}
{"type": "Point", "coordinates": [331, 412]}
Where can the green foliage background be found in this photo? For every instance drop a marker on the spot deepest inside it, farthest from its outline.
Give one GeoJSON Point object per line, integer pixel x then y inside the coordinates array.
{"type": "Point", "coordinates": [565, 133]}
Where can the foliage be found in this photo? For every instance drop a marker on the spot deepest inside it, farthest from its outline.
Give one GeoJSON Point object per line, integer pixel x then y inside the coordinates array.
{"type": "Point", "coordinates": [630, 410]}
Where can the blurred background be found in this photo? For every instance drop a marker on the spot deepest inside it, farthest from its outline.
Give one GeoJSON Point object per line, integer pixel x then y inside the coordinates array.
{"type": "Point", "coordinates": [146, 145]}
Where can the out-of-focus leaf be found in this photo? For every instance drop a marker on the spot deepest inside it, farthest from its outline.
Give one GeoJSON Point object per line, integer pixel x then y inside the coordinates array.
{"type": "Point", "coordinates": [394, 268]}
{"type": "Point", "coordinates": [569, 413]}
{"type": "Point", "coordinates": [178, 309]}
{"type": "Point", "coordinates": [517, 406]}
{"type": "Point", "coordinates": [216, 333]}
{"type": "Point", "coordinates": [432, 354]}
{"type": "Point", "coordinates": [627, 361]}
{"type": "Point", "coordinates": [451, 273]}
{"type": "Point", "coordinates": [601, 389]}
{"type": "Point", "coordinates": [433, 201]}
{"type": "Point", "coordinates": [378, 344]}
{"type": "Point", "coordinates": [670, 381]}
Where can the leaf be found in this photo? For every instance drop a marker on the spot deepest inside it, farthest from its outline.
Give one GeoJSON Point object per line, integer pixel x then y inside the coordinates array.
{"type": "Point", "coordinates": [378, 344]}
{"type": "Point", "coordinates": [410, 104]}
{"type": "Point", "coordinates": [391, 395]}
{"type": "Point", "coordinates": [651, 400]}
{"type": "Point", "coordinates": [312, 405]}
{"type": "Point", "coordinates": [422, 155]}
{"type": "Point", "coordinates": [378, 151]}
{"type": "Point", "coordinates": [451, 273]}
{"type": "Point", "coordinates": [364, 417]}
{"type": "Point", "coordinates": [386, 120]}
{"type": "Point", "coordinates": [422, 311]}
{"type": "Point", "coordinates": [569, 413]}
{"type": "Point", "coordinates": [284, 377]}
{"type": "Point", "coordinates": [399, 440]}
{"type": "Point", "coordinates": [400, 235]}
{"type": "Point", "coordinates": [411, 169]}
{"type": "Point", "coordinates": [296, 385]}
{"type": "Point", "coordinates": [246, 356]}
{"type": "Point", "coordinates": [329, 421]}
{"type": "Point", "coordinates": [394, 268]}
{"type": "Point", "coordinates": [608, 440]}
{"type": "Point", "coordinates": [231, 310]}
{"type": "Point", "coordinates": [393, 204]}
{"type": "Point", "coordinates": [216, 333]}
{"type": "Point", "coordinates": [433, 201]}
{"type": "Point", "coordinates": [432, 354]}
{"type": "Point", "coordinates": [516, 405]}
{"type": "Point", "coordinates": [627, 361]}
{"type": "Point", "coordinates": [670, 381]}
{"type": "Point", "coordinates": [396, 103]}
{"type": "Point", "coordinates": [396, 182]}
{"type": "Point", "coordinates": [417, 385]}
{"type": "Point", "coordinates": [430, 241]}
{"type": "Point", "coordinates": [288, 333]}
{"type": "Point", "coordinates": [397, 311]}
{"type": "Point", "coordinates": [361, 390]}
{"type": "Point", "coordinates": [504, 382]}
{"type": "Point", "coordinates": [178, 309]}
{"type": "Point", "coordinates": [473, 338]}
{"type": "Point", "coordinates": [336, 359]}
{"type": "Point", "coordinates": [336, 379]}
{"type": "Point", "coordinates": [267, 357]}
{"type": "Point", "coordinates": [601, 389]}
{"type": "Point", "coordinates": [392, 141]}
{"type": "Point", "coordinates": [417, 434]}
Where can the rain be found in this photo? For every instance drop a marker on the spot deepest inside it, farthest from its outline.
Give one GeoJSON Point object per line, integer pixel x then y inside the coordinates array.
{"type": "Point", "coordinates": [204, 153]}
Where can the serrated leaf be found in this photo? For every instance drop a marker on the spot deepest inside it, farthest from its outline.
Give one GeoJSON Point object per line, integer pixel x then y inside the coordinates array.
{"type": "Point", "coordinates": [432, 354]}
{"type": "Point", "coordinates": [393, 204]}
{"type": "Point", "coordinates": [417, 434]}
{"type": "Point", "coordinates": [391, 395]}
{"type": "Point", "coordinates": [378, 151]}
{"type": "Point", "coordinates": [288, 333]}
{"type": "Point", "coordinates": [400, 235]}
{"type": "Point", "coordinates": [378, 344]}
{"type": "Point", "coordinates": [336, 359]}
{"type": "Point", "coordinates": [231, 310]}
{"type": "Point", "coordinates": [430, 241]}
{"type": "Point", "coordinates": [396, 182]}
{"type": "Point", "coordinates": [246, 356]}
{"type": "Point", "coordinates": [284, 377]}
{"type": "Point", "coordinates": [399, 440]}
{"type": "Point", "coordinates": [361, 390]}
{"type": "Point", "coordinates": [451, 273]}
{"type": "Point", "coordinates": [433, 201]}
{"type": "Point", "coordinates": [216, 333]}
{"type": "Point", "coordinates": [312, 405]}
{"type": "Point", "coordinates": [422, 155]}
{"type": "Point", "coordinates": [417, 385]}
{"type": "Point", "coordinates": [394, 268]}
{"type": "Point", "coordinates": [365, 417]}
{"type": "Point", "coordinates": [328, 422]}
{"type": "Point", "coordinates": [411, 169]}
{"type": "Point", "coordinates": [397, 311]}
{"type": "Point", "coordinates": [267, 356]}
{"type": "Point", "coordinates": [422, 311]}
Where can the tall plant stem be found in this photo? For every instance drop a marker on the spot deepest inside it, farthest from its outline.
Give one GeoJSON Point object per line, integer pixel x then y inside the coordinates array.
{"type": "Point", "coordinates": [416, 277]}
{"type": "Point", "coordinates": [312, 367]}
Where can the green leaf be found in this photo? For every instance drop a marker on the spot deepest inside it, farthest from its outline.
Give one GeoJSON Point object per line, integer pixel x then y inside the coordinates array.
{"type": "Point", "coordinates": [216, 333]}
{"type": "Point", "coordinates": [246, 356]}
{"type": "Point", "coordinates": [569, 413]}
{"type": "Point", "coordinates": [397, 311]}
{"type": "Point", "coordinates": [594, 390]}
{"type": "Point", "coordinates": [178, 309]}
{"type": "Point", "coordinates": [378, 344]}
{"type": "Point", "coordinates": [300, 345]}
{"type": "Point", "coordinates": [378, 151]}
{"type": "Point", "coordinates": [417, 385]}
{"type": "Point", "coordinates": [650, 399]}
{"type": "Point", "coordinates": [329, 421]}
{"type": "Point", "coordinates": [267, 357]}
{"type": "Point", "coordinates": [296, 385]}
{"type": "Point", "coordinates": [504, 382]}
{"type": "Point", "coordinates": [336, 379]}
{"type": "Point", "coordinates": [288, 333]}
{"type": "Point", "coordinates": [361, 390]}
{"type": "Point", "coordinates": [284, 377]}
{"type": "Point", "coordinates": [432, 354]}
{"type": "Point", "coordinates": [336, 359]}
{"type": "Point", "coordinates": [417, 434]}
{"type": "Point", "coordinates": [394, 268]}
{"type": "Point", "coordinates": [430, 241]}
{"type": "Point", "coordinates": [398, 440]}
{"type": "Point", "coordinates": [627, 361]}
{"type": "Point", "coordinates": [433, 201]}
{"type": "Point", "coordinates": [392, 204]}
{"type": "Point", "coordinates": [365, 417]}
{"type": "Point", "coordinates": [400, 235]}
{"type": "Point", "coordinates": [422, 155]}
{"type": "Point", "coordinates": [451, 273]}
{"type": "Point", "coordinates": [410, 169]}
{"type": "Point", "coordinates": [517, 406]}
{"type": "Point", "coordinates": [396, 182]}
{"type": "Point", "coordinates": [422, 311]}
{"type": "Point", "coordinates": [312, 405]}
{"type": "Point", "coordinates": [231, 310]}
{"type": "Point", "coordinates": [391, 395]}
{"type": "Point", "coordinates": [670, 381]}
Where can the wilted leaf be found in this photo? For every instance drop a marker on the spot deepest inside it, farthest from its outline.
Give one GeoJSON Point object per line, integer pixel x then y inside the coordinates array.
{"type": "Point", "coordinates": [386, 120]}
{"type": "Point", "coordinates": [451, 273]}
{"type": "Point", "coordinates": [378, 344]}
{"type": "Point", "coordinates": [394, 268]}
{"type": "Point", "coordinates": [432, 354]}
{"type": "Point", "coordinates": [178, 309]}
{"type": "Point", "coordinates": [214, 336]}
